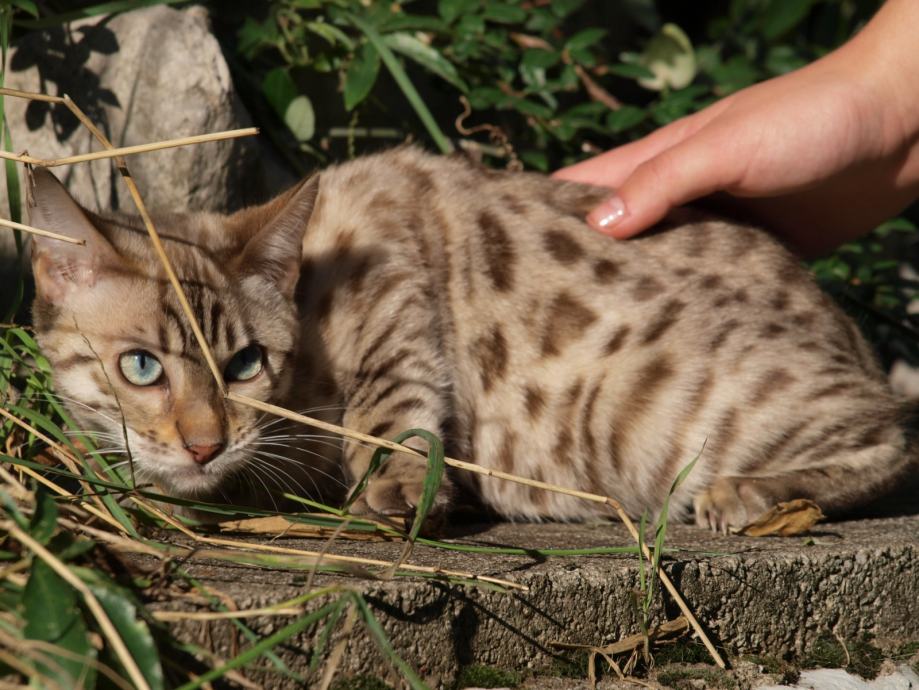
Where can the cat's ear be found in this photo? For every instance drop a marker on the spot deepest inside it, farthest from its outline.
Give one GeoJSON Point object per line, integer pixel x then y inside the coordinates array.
{"type": "Point", "coordinates": [274, 252]}
{"type": "Point", "coordinates": [60, 267]}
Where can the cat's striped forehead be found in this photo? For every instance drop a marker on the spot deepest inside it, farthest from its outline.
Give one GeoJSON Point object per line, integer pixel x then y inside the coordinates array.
{"type": "Point", "coordinates": [217, 312]}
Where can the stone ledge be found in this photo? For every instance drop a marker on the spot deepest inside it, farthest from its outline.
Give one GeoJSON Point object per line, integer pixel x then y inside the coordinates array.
{"type": "Point", "coordinates": [767, 596]}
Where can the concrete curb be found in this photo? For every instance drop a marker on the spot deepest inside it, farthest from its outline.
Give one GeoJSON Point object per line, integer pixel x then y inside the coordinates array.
{"type": "Point", "coordinates": [768, 596]}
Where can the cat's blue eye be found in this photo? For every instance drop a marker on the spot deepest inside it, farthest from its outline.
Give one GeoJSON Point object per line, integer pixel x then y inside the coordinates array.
{"type": "Point", "coordinates": [246, 364]}
{"type": "Point", "coordinates": [140, 367]}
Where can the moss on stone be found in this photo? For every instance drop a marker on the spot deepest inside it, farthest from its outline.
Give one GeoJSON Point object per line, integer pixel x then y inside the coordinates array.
{"type": "Point", "coordinates": [360, 683]}
{"type": "Point", "coordinates": [858, 656]}
{"type": "Point", "coordinates": [682, 677]}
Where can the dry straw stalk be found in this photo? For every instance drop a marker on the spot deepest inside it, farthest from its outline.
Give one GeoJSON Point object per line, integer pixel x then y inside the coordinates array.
{"type": "Point", "coordinates": [128, 150]}
{"type": "Point", "coordinates": [118, 154]}
{"type": "Point", "coordinates": [37, 231]}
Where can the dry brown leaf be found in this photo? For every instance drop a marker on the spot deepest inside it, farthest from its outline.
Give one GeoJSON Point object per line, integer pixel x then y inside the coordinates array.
{"type": "Point", "coordinates": [785, 519]}
{"type": "Point", "coordinates": [278, 526]}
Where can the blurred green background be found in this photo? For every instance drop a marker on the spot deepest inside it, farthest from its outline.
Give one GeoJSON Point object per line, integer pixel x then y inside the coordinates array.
{"type": "Point", "coordinates": [534, 84]}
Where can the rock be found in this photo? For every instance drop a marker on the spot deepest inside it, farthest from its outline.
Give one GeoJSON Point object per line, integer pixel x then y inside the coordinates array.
{"type": "Point", "coordinates": [156, 73]}
{"type": "Point", "coordinates": [902, 678]}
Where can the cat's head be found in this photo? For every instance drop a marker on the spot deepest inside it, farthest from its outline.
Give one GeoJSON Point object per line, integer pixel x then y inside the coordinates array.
{"type": "Point", "coordinates": [122, 348]}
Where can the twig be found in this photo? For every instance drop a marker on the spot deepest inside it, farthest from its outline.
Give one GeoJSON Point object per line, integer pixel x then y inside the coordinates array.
{"type": "Point", "coordinates": [632, 642]}
{"type": "Point", "coordinates": [111, 633]}
{"type": "Point", "coordinates": [36, 231]}
{"type": "Point", "coordinates": [128, 150]}
{"type": "Point", "coordinates": [172, 616]}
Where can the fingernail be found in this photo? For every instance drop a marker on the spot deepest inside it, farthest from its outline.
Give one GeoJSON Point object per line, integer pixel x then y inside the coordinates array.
{"type": "Point", "coordinates": [608, 214]}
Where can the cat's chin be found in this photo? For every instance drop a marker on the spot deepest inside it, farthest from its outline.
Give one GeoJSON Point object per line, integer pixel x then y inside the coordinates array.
{"type": "Point", "coordinates": [194, 482]}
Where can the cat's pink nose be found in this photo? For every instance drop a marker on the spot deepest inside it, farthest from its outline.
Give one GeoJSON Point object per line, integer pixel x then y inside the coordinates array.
{"type": "Point", "coordinates": [202, 454]}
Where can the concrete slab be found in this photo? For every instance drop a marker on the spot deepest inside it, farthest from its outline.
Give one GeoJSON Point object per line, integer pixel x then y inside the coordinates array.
{"type": "Point", "coordinates": [767, 596]}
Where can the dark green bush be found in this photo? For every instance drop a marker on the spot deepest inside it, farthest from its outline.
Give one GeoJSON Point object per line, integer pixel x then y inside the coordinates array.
{"type": "Point", "coordinates": [541, 84]}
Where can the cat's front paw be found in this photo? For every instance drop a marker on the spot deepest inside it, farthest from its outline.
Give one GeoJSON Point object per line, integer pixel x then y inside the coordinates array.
{"type": "Point", "coordinates": [398, 496]}
{"type": "Point", "coordinates": [729, 504]}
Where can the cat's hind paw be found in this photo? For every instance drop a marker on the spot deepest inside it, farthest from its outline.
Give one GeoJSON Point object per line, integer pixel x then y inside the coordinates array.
{"type": "Point", "coordinates": [729, 504]}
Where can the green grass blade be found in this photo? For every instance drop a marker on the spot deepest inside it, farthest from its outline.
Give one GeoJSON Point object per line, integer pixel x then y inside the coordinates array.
{"type": "Point", "coordinates": [401, 78]}
{"type": "Point", "coordinates": [12, 174]}
{"type": "Point", "coordinates": [642, 584]}
{"type": "Point", "coordinates": [246, 631]}
{"type": "Point", "coordinates": [432, 479]}
{"type": "Point", "coordinates": [267, 643]}
{"type": "Point", "coordinates": [385, 646]}
{"type": "Point", "coordinates": [661, 531]}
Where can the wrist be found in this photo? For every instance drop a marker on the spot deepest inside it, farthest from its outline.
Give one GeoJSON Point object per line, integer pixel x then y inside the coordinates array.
{"type": "Point", "coordinates": [882, 61]}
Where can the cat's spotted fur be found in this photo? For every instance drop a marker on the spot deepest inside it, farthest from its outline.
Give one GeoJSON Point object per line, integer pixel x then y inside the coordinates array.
{"type": "Point", "coordinates": [433, 293]}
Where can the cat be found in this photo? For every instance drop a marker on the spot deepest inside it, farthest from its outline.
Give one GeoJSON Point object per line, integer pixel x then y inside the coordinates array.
{"type": "Point", "coordinates": [404, 290]}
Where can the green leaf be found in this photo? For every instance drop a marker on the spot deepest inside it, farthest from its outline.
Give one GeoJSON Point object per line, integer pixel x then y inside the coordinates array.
{"type": "Point", "coordinates": [783, 15]}
{"type": "Point", "coordinates": [330, 33]}
{"type": "Point", "coordinates": [9, 505]}
{"type": "Point", "coordinates": [783, 59]}
{"type": "Point", "coordinates": [300, 118]}
{"type": "Point", "coordinates": [471, 26]}
{"type": "Point", "coordinates": [530, 108]}
{"type": "Point", "coordinates": [625, 118]}
{"type": "Point", "coordinates": [451, 9]}
{"type": "Point", "coordinates": [115, 7]}
{"type": "Point", "coordinates": [361, 74]}
{"type": "Point", "coordinates": [535, 159]}
{"type": "Point", "coordinates": [414, 22]}
{"type": "Point", "coordinates": [562, 8]}
{"type": "Point", "coordinates": [26, 6]}
{"type": "Point", "coordinates": [539, 58]}
{"type": "Point", "coordinates": [52, 614]}
{"type": "Point", "coordinates": [426, 56]}
{"type": "Point", "coordinates": [293, 108]}
{"type": "Point", "coordinates": [504, 13]}
{"type": "Point", "coordinates": [585, 39]}
{"type": "Point", "coordinates": [279, 89]}
{"type": "Point", "coordinates": [734, 74]}
{"type": "Point", "coordinates": [669, 55]}
{"type": "Point", "coordinates": [486, 97]}
{"type": "Point", "coordinates": [133, 631]}
{"type": "Point", "coordinates": [631, 71]}
{"type": "Point", "coordinates": [44, 519]}
{"type": "Point", "coordinates": [405, 84]}
{"type": "Point", "coordinates": [253, 36]}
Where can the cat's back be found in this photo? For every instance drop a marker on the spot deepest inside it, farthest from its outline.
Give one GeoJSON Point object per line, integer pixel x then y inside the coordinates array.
{"type": "Point", "coordinates": [608, 365]}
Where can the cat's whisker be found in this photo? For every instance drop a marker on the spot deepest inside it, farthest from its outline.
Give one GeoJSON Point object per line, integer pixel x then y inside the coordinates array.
{"type": "Point", "coordinates": [278, 474]}
{"type": "Point", "coordinates": [74, 401]}
{"type": "Point", "coordinates": [312, 468]}
{"type": "Point", "coordinates": [298, 448]}
{"type": "Point", "coordinates": [307, 411]}
{"type": "Point", "coordinates": [297, 488]}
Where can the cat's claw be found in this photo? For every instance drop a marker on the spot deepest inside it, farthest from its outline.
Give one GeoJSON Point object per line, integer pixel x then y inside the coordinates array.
{"type": "Point", "coordinates": [395, 497]}
{"type": "Point", "coordinates": [729, 504]}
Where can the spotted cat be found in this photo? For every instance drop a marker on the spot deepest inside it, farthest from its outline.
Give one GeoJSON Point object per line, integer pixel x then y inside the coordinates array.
{"type": "Point", "coordinates": [404, 290]}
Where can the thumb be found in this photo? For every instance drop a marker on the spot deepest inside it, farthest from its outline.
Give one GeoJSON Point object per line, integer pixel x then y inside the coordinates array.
{"type": "Point", "coordinates": [687, 171]}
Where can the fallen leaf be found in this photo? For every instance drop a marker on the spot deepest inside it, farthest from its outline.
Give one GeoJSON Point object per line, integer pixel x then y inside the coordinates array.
{"type": "Point", "coordinates": [278, 526]}
{"type": "Point", "coordinates": [785, 519]}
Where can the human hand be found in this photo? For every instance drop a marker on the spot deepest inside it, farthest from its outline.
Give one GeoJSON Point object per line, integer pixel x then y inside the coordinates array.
{"type": "Point", "coordinates": [820, 155]}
